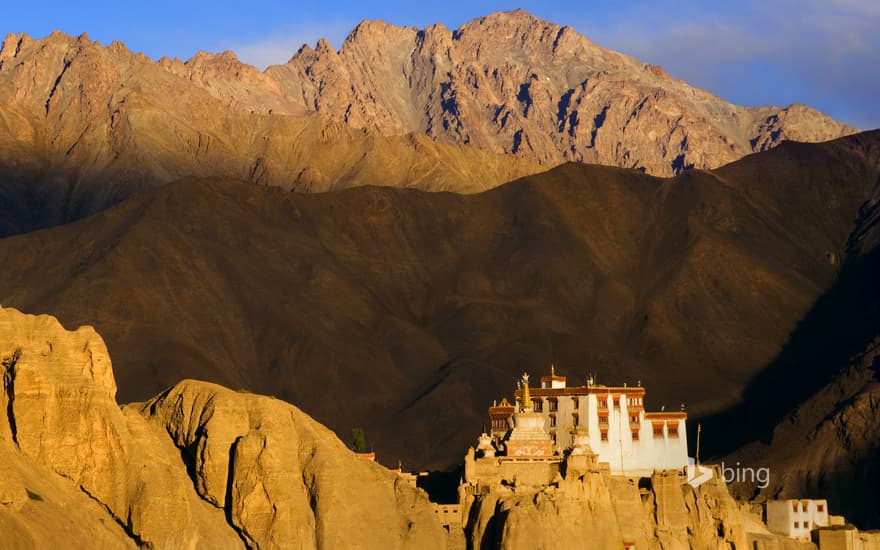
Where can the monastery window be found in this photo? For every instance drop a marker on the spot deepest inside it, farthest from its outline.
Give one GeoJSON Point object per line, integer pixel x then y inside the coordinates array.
{"type": "Point", "coordinates": [797, 525]}
{"type": "Point", "coordinates": [552, 420]}
{"type": "Point", "coordinates": [604, 436]}
{"type": "Point", "coordinates": [537, 405]}
{"type": "Point", "coordinates": [574, 402]}
{"type": "Point", "coordinates": [820, 508]}
{"type": "Point", "coordinates": [673, 431]}
{"type": "Point", "coordinates": [553, 404]}
{"type": "Point", "coordinates": [634, 419]}
{"type": "Point", "coordinates": [603, 402]}
{"type": "Point", "coordinates": [794, 506]}
{"type": "Point", "coordinates": [575, 419]}
{"type": "Point", "coordinates": [658, 429]}
{"type": "Point", "coordinates": [603, 420]}
{"type": "Point", "coordinates": [635, 436]}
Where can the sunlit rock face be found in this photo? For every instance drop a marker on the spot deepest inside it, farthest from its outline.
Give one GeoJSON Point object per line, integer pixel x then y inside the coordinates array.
{"type": "Point", "coordinates": [511, 82]}
{"type": "Point", "coordinates": [84, 126]}
{"type": "Point", "coordinates": [198, 466]}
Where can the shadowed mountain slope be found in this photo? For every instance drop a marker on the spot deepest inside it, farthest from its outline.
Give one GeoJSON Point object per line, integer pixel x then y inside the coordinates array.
{"type": "Point", "coordinates": [83, 126]}
{"type": "Point", "coordinates": [815, 411]}
{"type": "Point", "coordinates": [407, 312]}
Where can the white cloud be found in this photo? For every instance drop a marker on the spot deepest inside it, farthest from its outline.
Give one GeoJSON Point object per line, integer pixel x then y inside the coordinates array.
{"type": "Point", "coordinates": [279, 46]}
{"type": "Point", "coordinates": [820, 52]}
{"type": "Point", "coordinates": [869, 8]}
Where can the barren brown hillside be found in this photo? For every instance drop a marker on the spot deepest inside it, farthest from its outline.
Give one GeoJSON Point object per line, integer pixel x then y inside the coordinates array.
{"type": "Point", "coordinates": [408, 312]}
{"type": "Point", "coordinates": [813, 416]}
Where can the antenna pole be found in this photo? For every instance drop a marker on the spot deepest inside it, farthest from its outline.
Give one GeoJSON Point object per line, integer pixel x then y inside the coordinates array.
{"type": "Point", "coordinates": [699, 429]}
{"type": "Point", "coordinates": [620, 436]}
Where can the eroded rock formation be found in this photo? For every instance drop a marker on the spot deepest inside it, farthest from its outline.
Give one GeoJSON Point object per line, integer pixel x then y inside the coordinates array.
{"type": "Point", "coordinates": [594, 510]}
{"type": "Point", "coordinates": [199, 466]}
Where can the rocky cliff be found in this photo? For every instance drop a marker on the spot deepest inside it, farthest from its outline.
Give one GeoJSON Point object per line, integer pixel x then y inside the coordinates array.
{"type": "Point", "coordinates": [510, 82]}
{"type": "Point", "coordinates": [83, 126]}
{"type": "Point", "coordinates": [596, 511]}
{"type": "Point", "coordinates": [198, 466]}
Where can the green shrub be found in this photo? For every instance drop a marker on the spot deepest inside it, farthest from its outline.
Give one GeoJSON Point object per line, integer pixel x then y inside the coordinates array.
{"type": "Point", "coordinates": [358, 440]}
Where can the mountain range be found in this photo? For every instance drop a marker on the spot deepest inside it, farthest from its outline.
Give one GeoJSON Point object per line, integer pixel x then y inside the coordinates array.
{"type": "Point", "coordinates": [387, 235]}
{"type": "Point", "coordinates": [84, 126]}
{"type": "Point", "coordinates": [511, 82]}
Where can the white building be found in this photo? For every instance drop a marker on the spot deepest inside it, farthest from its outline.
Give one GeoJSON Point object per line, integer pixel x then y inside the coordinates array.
{"type": "Point", "coordinates": [633, 442]}
{"type": "Point", "coordinates": [795, 518]}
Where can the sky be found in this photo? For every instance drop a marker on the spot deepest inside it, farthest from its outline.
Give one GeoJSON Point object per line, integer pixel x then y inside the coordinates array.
{"type": "Point", "coordinates": [825, 53]}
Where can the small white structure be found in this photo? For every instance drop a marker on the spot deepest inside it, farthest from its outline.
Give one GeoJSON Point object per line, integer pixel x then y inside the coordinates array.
{"type": "Point", "coordinates": [795, 518]}
{"type": "Point", "coordinates": [485, 447]}
{"type": "Point", "coordinates": [552, 381]}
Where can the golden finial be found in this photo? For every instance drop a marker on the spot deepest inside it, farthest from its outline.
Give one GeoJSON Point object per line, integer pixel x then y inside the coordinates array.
{"type": "Point", "coordinates": [552, 369]}
{"type": "Point", "coordinates": [527, 399]}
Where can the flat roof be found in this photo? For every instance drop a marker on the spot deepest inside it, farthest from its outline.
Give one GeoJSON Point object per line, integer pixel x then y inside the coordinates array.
{"type": "Point", "coordinates": [580, 390]}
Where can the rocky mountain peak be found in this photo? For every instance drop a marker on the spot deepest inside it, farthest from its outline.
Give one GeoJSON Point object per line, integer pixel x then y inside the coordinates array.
{"type": "Point", "coordinates": [8, 40]}
{"type": "Point", "coordinates": [323, 47]}
{"type": "Point", "coordinates": [376, 38]}
{"type": "Point", "coordinates": [96, 124]}
{"type": "Point", "coordinates": [369, 29]}
{"type": "Point", "coordinates": [514, 21]}
{"type": "Point", "coordinates": [510, 82]}
{"type": "Point", "coordinates": [513, 18]}
{"type": "Point", "coordinates": [10, 45]}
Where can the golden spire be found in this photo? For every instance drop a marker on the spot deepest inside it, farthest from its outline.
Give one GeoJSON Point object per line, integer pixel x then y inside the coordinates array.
{"type": "Point", "coordinates": [526, 398]}
{"type": "Point", "coordinates": [552, 369]}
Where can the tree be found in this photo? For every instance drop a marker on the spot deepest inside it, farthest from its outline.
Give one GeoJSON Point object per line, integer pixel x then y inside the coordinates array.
{"type": "Point", "coordinates": [358, 440]}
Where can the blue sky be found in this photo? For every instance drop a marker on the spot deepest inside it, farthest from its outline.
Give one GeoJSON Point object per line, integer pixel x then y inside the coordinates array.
{"type": "Point", "coordinates": [825, 53]}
